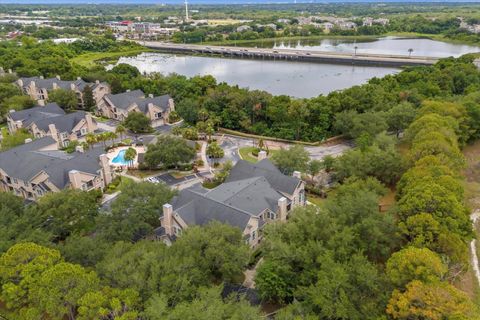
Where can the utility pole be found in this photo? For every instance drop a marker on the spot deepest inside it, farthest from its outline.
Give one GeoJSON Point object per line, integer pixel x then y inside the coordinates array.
{"type": "Point", "coordinates": [186, 10]}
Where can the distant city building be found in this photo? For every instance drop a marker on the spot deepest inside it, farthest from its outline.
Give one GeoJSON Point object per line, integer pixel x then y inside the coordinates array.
{"type": "Point", "coordinates": [244, 28]}
{"type": "Point", "coordinates": [368, 21]}
{"type": "Point", "coordinates": [284, 21]}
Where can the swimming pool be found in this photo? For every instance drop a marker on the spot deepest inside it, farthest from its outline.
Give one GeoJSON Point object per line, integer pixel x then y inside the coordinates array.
{"type": "Point", "coordinates": [120, 158]}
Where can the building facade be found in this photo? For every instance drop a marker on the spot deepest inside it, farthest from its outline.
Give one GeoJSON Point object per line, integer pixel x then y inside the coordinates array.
{"type": "Point", "coordinates": [118, 106]}
{"type": "Point", "coordinates": [38, 167]}
{"type": "Point", "coordinates": [252, 196]}
{"type": "Point", "coordinates": [38, 88]}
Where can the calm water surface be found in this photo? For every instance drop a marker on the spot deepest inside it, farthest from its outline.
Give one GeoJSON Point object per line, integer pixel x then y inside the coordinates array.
{"type": "Point", "coordinates": [297, 79]}
{"type": "Point", "coordinates": [387, 45]}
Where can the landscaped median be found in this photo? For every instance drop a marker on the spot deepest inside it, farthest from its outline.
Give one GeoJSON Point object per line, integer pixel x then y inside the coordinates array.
{"type": "Point", "coordinates": [254, 136]}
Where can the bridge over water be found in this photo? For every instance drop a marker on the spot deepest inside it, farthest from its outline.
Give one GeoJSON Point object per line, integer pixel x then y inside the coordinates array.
{"type": "Point", "coordinates": [380, 60]}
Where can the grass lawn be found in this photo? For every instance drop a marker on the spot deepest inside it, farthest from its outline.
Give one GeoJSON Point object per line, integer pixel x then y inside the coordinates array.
{"type": "Point", "coordinates": [117, 184]}
{"type": "Point", "coordinates": [181, 174]}
{"type": "Point", "coordinates": [100, 119]}
{"type": "Point", "coordinates": [91, 59]}
{"type": "Point", "coordinates": [316, 200]}
{"type": "Point", "coordinates": [142, 174]}
{"type": "Point", "coordinates": [246, 154]}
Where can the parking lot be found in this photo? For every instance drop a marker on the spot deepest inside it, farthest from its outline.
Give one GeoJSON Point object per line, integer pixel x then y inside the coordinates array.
{"type": "Point", "coordinates": [170, 180]}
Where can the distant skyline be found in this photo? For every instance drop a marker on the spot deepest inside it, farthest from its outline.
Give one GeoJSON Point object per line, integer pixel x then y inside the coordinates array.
{"type": "Point", "coordinates": [193, 2]}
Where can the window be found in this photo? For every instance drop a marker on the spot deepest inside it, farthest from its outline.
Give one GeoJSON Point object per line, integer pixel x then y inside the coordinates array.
{"type": "Point", "coordinates": [64, 135]}
{"type": "Point", "coordinates": [83, 131]}
{"type": "Point", "coordinates": [271, 215]}
{"type": "Point", "coordinates": [177, 230]}
{"type": "Point", "coordinates": [253, 235]}
{"type": "Point", "coordinates": [302, 197]}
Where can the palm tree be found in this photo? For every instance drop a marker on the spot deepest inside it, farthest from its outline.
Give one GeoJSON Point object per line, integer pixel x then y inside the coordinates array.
{"type": "Point", "coordinates": [120, 130]}
{"type": "Point", "coordinates": [91, 139]}
{"type": "Point", "coordinates": [410, 52]}
{"type": "Point", "coordinates": [112, 136]}
{"type": "Point", "coordinates": [130, 155]}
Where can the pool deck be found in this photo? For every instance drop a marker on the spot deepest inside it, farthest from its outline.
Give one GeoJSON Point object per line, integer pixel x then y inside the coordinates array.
{"type": "Point", "coordinates": [114, 152]}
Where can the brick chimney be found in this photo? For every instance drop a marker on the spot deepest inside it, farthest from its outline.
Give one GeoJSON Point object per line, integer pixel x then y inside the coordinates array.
{"type": "Point", "coordinates": [167, 222]}
{"type": "Point", "coordinates": [58, 77]}
{"type": "Point", "coordinates": [282, 208]}
{"type": "Point", "coordinates": [90, 125]}
{"type": "Point", "coordinates": [106, 170]}
{"type": "Point", "coordinates": [54, 132]}
{"type": "Point", "coordinates": [41, 102]}
{"type": "Point", "coordinates": [297, 174]}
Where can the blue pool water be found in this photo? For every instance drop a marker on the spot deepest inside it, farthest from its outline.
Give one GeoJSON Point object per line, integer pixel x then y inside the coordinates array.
{"type": "Point", "coordinates": [120, 158]}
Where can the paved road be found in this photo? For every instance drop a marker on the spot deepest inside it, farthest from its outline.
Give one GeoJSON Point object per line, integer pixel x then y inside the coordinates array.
{"type": "Point", "coordinates": [293, 54]}
{"type": "Point", "coordinates": [231, 145]}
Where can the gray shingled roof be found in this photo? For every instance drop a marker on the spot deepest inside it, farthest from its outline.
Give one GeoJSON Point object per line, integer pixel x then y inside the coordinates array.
{"type": "Point", "coordinates": [237, 200]}
{"type": "Point", "coordinates": [64, 123]}
{"type": "Point", "coordinates": [37, 113]}
{"type": "Point", "coordinates": [26, 161]}
{"type": "Point", "coordinates": [64, 84]}
{"type": "Point", "coordinates": [127, 99]}
{"type": "Point", "coordinates": [264, 168]}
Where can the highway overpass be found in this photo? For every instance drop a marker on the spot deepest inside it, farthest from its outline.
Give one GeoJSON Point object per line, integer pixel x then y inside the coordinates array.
{"type": "Point", "coordinates": [380, 60]}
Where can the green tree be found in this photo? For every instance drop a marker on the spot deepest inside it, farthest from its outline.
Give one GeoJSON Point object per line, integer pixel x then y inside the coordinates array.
{"type": "Point", "coordinates": [293, 159]}
{"type": "Point", "coordinates": [135, 212]}
{"type": "Point", "coordinates": [169, 151]}
{"type": "Point", "coordinates": [413, 263]}
{"type": "Point", "coordinates": [60, 288]}
{"type": "Point", "coordinates": [68, 211]}
{"type": "Point", "coordinates": [10, 141]}
{"type": "Point", "coordinates": [400, 117]}
{"type": "Point", "coordinates": [137, 122]}
{"type": "Point", "coordinates": [120, 130]}
{"type": "Point", "coordinates": [207, 304]}
{"type": "Point", "coordinates": [66, 99]}
{"type": "Point", "coordinates": [108, 303]}
{"type": "Point", "coordinates": [215, 151]}
{"type": "Point", "coordinates": [130, 155]}
{"type": "Point", "coordinates": [436, 301]}
{"type": "Point", "coordinates": [88, 99]}
{"type": "Point", "coordinates": [21, 268]}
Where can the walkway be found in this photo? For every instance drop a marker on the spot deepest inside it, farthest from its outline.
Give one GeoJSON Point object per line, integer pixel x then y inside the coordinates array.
{"type": "Point", "coordinates": [475, 216]}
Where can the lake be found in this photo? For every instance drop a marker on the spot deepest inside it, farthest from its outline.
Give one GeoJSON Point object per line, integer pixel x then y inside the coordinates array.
{"type": "Point", "coordinates": [387, 45]}
{"type": "Point", "coordinates": [296, 79]}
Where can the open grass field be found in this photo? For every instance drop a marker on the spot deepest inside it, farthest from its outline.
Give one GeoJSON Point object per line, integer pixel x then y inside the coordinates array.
{"type": "Point", "coordinates": [89, 60]}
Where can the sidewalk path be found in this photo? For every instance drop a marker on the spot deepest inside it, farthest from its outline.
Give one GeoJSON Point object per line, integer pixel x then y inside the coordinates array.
{"type": "Point", "coordinates": [475, 216]}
